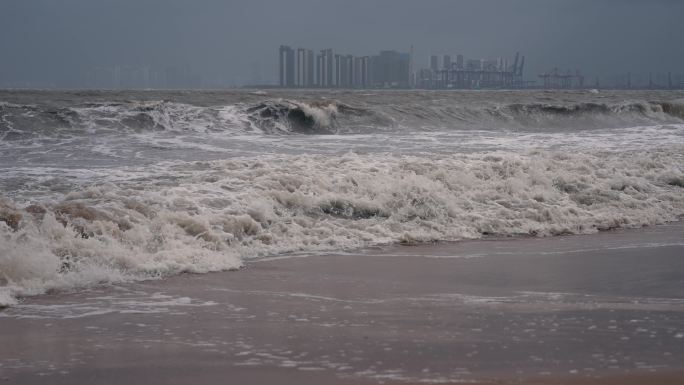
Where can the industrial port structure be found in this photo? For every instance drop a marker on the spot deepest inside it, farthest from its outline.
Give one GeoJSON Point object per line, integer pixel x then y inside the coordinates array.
{"type": "Point", "coordinates": [472, 74]}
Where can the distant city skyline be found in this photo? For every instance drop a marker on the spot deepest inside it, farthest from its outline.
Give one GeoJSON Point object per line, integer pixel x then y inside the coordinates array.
{"type": "Point", "coordinates": [392, 69]}
{"type": "Point", "coordinates": [170, 76]}
{"type": "Point", "coordinates": [386, 69]}
{"type": "Point", "coordinates": [345, 71]}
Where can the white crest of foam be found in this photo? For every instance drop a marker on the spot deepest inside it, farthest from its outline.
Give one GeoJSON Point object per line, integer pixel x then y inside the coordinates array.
{"type": "Point", "coordinates": [6, 297]}
{"type": "Point", "coordinates": [322, 115]}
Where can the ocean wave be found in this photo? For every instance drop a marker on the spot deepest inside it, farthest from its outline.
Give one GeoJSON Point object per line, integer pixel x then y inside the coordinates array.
{"type": "Point", "coordinates": [177, 217]}
{"type": "Point", "coordinates": [318, 117]}
{"type": "Point", "coordinates": [325, 116]}
{"type": "Point", "coordinates": [656, 111]}
{"type": "Point", "coordinates": [280, 116]}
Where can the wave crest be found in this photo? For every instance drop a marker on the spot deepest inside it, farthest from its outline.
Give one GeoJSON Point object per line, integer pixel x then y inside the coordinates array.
{"type": "Point", "coordinates": [316, 117]}
{"type": "Point", "coordinates": [289, 116]}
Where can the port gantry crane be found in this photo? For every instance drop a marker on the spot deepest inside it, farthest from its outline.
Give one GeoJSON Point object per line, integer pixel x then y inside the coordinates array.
{"type": "Point", "coordinates": [466, 78]}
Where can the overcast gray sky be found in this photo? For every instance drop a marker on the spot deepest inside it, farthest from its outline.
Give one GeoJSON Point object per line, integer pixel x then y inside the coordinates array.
{"type": "Point", "coordinates": [57, 41]}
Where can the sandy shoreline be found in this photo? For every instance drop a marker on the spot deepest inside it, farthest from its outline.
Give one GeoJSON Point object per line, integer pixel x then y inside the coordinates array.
{"type": "Point", "coordinates": [598, 309]}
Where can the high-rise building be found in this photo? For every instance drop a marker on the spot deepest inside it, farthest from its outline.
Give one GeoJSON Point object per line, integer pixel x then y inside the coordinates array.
{"type": "Point", "coordinates": [362, 72]}
{"type": "Point", "coordinates": [324, 68]}
{"type": "Point", "coordinates": [286, 66]}
{"type": "Point", "coordinates": [344, 70]}
{"type": "Point", "coordinates": [434, 63]}
{"type": "Point", "coordinates": [304, 68]}
{"type": "Point", "coordinates": [390, 69]}
{"type": "Point", "coordinates": [446, 62]}
{"type": "Point", "coordinates": [412, 69]}
{"type": "Point", "coordinates": [310, 68]}
{"type": "Point", "coordinates": [338, 74]}
{"type": "Point", "coordinates": [300, 67]}
{"type": "Point", "coordinates": [459, 62]}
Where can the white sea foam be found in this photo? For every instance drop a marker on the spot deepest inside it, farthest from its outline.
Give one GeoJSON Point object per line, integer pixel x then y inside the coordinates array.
{"type": "Point", "coordinates": [176, 216]}
{"type": "Point", "coordinates": [6, 298]}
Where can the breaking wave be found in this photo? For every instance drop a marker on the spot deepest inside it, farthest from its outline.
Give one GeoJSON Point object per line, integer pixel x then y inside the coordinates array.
{"type": "Point", "coordinates": [320, 117]}
{"type": "Point", "coordinates": [288, 116]}
{"type": "Point", "coordinates": [267, 117]}
{"type": "Point", "coordinates": [176, 217]}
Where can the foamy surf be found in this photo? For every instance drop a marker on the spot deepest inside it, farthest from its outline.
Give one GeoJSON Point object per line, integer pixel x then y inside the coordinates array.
{"type": "Point", "coordinates": [175, 217]}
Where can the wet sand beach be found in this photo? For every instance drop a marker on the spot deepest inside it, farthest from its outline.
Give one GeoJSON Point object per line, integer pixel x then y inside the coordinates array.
{"type": "Point", "coordinates": [606, 308]}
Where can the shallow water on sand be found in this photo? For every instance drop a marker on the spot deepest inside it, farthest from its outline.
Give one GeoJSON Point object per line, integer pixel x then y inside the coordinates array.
{"type": "Point", "coordinates": [562, 310]}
